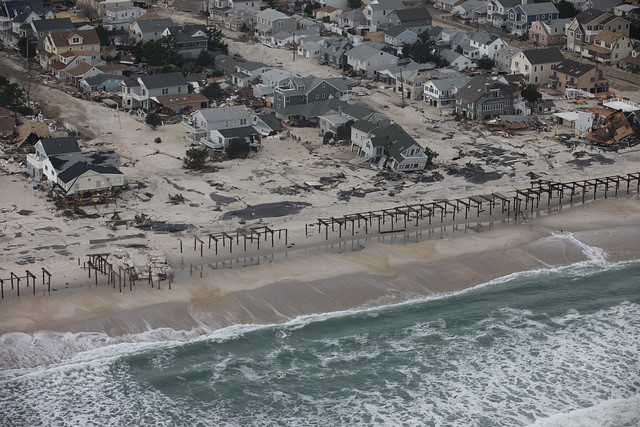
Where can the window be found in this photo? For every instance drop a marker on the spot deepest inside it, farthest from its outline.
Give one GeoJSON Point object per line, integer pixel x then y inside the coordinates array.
{"type": "Point", "coordinates": [165, 91]}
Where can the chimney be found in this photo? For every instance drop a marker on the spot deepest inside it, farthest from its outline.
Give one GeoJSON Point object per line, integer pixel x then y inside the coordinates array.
{"type": "Point", "coordinates": [486, 88]}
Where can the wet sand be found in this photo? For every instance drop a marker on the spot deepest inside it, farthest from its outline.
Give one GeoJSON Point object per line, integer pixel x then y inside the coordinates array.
{"type": "Point", "coordinates": [321, 281]}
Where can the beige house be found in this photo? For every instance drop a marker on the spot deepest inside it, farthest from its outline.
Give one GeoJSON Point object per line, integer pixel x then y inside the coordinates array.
{"type": "Point", "coordinates": [577, 75]}
{"type": "Point", "coordinates": [67, 41]}
{"type": "Point", "coordinates": [536, 64]}
{"type": "Point", "coordinates": [583, 28]}
{"type": "Point", "coordinates": [608, 48]}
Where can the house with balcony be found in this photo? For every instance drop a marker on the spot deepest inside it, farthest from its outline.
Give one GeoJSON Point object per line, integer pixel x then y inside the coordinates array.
{"type": "Point", "coordinates": [498, 11]}
{"type": "Point", "coordinates": [198, 127]}
{"type": "Point", "coordinates": [583, 28]}
{"type": "Point", "coordinates": [377, 12]}
{"type": "Point", "coordinates": [521, 17]}
{"type": "Point", "coordinates": [191, 39]}
{"type": "Point", "coordinates": [548, 34]}
{"type": "Point", "coordinates": [137, 93]}
{"type": "Point", "coordinates": [578, 75]}
{"type": "Point", "coordinates": [310, 89]}
{"type": "Point", "coordinates": [608, 48]}
{"type": "Point", "coordinates": [536, 64]}
{"type": "Point", "coordinates": [271, 21]}
{"type": "Point", "coordinates": [45, 148]}
{"type": "Point", "coordinates": [440, 92]}
{"type": "Point", "coordinates": [120, 18]}
{"type": "Point", "coordinates": [484, 97]}
{"type": "Point", "coordinates": [245, 72]}
{"type": "Point", "coordinates": [387, 146]}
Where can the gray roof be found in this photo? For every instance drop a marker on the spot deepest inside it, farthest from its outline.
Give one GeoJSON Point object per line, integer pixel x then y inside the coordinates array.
{"type": "Point", "coordinates": [413, 14]}
{"type": "Point", "coordinates": [272, 15]}
{"type": "Point", "coordinates": [272, 121]}
{"type": "Point", "coordinates": [573, 68]}
{"type": "Point", "coordinates": [238, 132]}
{"type": "Point", "coordinates": [252, 66]}
{"type": "Point", "coordinates": [543, 56]}
{"type": "Point", "coordinates": [79, 168]}
{"type": "Point", "coordinates": [395, 31]}
{"type": "Point", "coordinates": [363, 52]}
{"type": "Point", "coordinates": [483, 37]}
{"type": "Point", "coordinates": [62, 162]}
{"type": "Point", "coordinates": [539, 8]}
{"type": "Point", "coordinates": [154, 25]}
{"type": "Point", "coordinates": [353, 15]}
{"type": "Point", "coordinates": [588, 15]}
{"type": "Point", "coordinates": [224, 113]}
{"type": "Point", "coordinates": [364, 126]}
{"type": "Point", "coordinates": [475, 89]}
{"type": "Point", "coordinates": [157, 81]}
{"type": "Point", "coordinates": [508, 3]}
{"type": "Point", "coordinates": [387, 5]}
{"type": "Point", "coordinates": [52, 24]}
{"type": "Point", "coordinates": [54, 146]}
{"type": "Point", "coordinates": [450, 55]}
{"type": "Point", "coordinates": [450, 83]}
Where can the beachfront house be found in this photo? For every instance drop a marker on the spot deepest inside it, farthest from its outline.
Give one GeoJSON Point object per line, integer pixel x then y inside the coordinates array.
{"type": "Point", "coordinates": [46, 147]}
{"type": "Point", "coordinates": [484, 97]}
{"type": "Point", "coordinates": [118, 19]}
{"type": "Point", "coordinates": [137, 93]}
{"type": "Point", "coordinates": [191, 39]}
{"type": "Point", "coordinates": [585, 26]}
{"type": "Point", "coordinates": [440, 93]}
{"type": "Point", "coordinates": [83, 174]}
{"type": "Point", "coordinates": [199, 125]}
{"type": "Point", "coordinates": [608, 48]}
{"type": "Point", "coordinates": [388, 146]}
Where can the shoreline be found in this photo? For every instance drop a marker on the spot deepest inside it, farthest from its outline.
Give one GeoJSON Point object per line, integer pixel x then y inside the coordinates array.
{"type": "Point", "coordinates": [323, 282]}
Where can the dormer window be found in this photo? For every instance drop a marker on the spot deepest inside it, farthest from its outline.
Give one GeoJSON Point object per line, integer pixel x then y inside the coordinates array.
{"type": "Point", "coordinates": [75, 40]}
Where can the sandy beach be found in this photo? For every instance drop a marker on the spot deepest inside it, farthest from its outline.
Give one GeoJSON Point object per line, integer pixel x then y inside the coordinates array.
{"type": "Point", "coordinates": [321, 281]}
{"type": "Point", "coordinates": [268, 190]}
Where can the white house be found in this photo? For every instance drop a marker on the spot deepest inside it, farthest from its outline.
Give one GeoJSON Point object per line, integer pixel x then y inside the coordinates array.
{"type": "Point", "coordinates": [377, 12]}
{"type": "Point", "coordinates": [456, 60]}
{"type": "Point", "coordinates": [138, 93]}
{"type": "Point", "coordinates": [201, 123]}
{"type": "Point", "coordinates": [120, 18]}
{"type": "Point", "coordinates": [367, 60]}
{"type": "Point", "coordinates": [487, 44]}
{"type": "Point", "coordinates": [49, 147]}
{"type": "Point", "coordinates": [440, 93]}
{"type": "Point", "coordinates": [398, 36]}
{"type": "Point", "coordinates": [144, 30]}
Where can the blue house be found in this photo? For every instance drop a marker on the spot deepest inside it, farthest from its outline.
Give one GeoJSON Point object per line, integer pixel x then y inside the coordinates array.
{"type": "Point", "coordinates": [520, 17]}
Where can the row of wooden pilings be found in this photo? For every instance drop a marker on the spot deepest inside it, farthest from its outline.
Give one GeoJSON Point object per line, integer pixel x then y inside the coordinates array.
{"type": "Point", "coordinates": [254, 235]}
{"type": "Point", "coordinates": [99, 264]}
{"type": "Point", "coordinates": [14, 280]}
{"type": "Point", "coordinates": [519, 203]}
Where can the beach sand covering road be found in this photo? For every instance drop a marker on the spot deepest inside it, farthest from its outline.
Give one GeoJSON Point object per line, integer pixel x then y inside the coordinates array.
{"type": "Point", "coordinates": [471, 161]}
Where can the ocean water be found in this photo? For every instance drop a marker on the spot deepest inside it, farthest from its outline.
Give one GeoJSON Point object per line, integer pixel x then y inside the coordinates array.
{"type": "Point", "coordinates": [558, 347]}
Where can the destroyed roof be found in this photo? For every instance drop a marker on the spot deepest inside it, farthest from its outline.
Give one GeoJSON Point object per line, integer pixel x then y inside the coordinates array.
{"type": "Point", "coordinates": [238, 132]}
{"type": "Point", "coordinates": [102, 158]}
{"type": "Point", "coordinates": [99, 79]}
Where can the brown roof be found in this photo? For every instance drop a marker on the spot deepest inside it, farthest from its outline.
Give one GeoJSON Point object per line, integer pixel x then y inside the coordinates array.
{"type": "Point", "coordinates": [148, 16]}
{"type": "Point", "coordinates": [63, 38]}
{"type": "Point", "coordinates": [80, 70]}
{"type": "Point", "coordinates": [328, 9]}
{"type": "Point", "coordinates": [608, 36]}
{"type": "Point", "coordinates": [112, 67]}
{"type": "Point", "coordinates": [7, 123]}
{"type": "Point", "coordinates": [57, 65]}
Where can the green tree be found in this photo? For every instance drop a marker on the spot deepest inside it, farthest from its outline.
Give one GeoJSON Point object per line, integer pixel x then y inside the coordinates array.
{"type": "Point", "coordinates": [238, 148]}
{"type": "Point", "coordinates": [459, 50]}
{"type": "Point", "coordinates": [486, 63]}
{"type": "Point", "coordinates": [531, 94]}
{"type": "Point", "coordinates": [162, 51]}
{"type": "Point", "coordinates": [27, 46]}
{"type": "Point", "coordinates": [103, 35]}
{"type": "Point", "coordinates": [430, 156]}
{"type": "Point", "coordinates": [272, 4]}
{"type": "Point", "coordinates": [215, 40]}
{"type": "Point", "coordinates": [424, 50]}
{"type": "Point", "coordinates": [153, 120]}
{"type": "Point", "coordinates": [354, 4]}
{"type": "Point", "coordinates": [310, 7]}
{"type": "Point", "coordinates": [213, 91]}
{"type": "Point", "coordinates": [343, 132]}
{"type": "Point", "coordinates": [196, 158]}
{"type": "Point", "coordinates": [566, 9]}
{"type": "Point", "coordinates": [204, 59]}
{"type": "Point", "coordinates": [12, 97]}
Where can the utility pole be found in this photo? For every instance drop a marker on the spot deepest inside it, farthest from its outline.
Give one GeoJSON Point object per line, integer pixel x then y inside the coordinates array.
{"type": "Point", "coordinates": [294, 47]}
{"type": "Point", "coordinates": [401, 86]}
